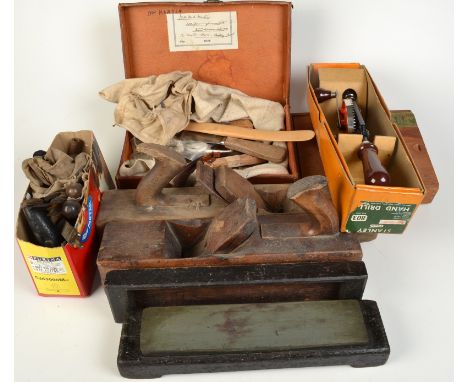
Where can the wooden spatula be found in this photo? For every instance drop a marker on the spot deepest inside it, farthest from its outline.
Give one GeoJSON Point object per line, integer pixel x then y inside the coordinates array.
{"type": "Point", "coordinates": [251, 134]}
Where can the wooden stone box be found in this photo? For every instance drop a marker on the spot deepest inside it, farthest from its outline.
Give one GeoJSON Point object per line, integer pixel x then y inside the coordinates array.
{"type": "Point", "coordinates": [205, 319]}
{"type": "Point", "coordinates": [214, 338]}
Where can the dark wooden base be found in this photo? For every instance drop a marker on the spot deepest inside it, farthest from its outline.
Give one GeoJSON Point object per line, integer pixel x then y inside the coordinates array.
{"type": "Point", "coordinates": [133, 364]}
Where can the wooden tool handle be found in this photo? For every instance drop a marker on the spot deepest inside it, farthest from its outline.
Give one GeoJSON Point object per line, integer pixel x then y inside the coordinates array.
{"type": "Point", "coordinates": [168, 164]}
{"type": "Point", "coordinates": [312, 195]}
{"type": "Point", "coordinates": [260, 150]}
{"type": "Point", "coordinates": [374, 173]}
{"type": "Point", "coordinates": [252, 134]}
{"type": "Point", "coordinates": [236, 161]}
{"type": "Point", "coordinates": [75, 147]}
{"type": "Point", "coordinates": [231, 186]}
{"type": "Point", "coordinates": [228, 230]}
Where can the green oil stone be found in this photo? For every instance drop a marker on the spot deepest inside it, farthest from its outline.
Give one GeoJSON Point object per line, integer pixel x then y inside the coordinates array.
{"type": "Point", "coordinates": [251, 327]}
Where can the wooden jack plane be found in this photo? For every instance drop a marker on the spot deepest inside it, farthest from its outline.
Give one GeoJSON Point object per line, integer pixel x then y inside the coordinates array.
{"type": "Point", "coordinates": [222, 220]}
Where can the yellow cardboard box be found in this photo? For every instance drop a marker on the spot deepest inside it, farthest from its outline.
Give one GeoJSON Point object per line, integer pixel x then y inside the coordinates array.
{"type": "Point", "coordinates": [64, 270]}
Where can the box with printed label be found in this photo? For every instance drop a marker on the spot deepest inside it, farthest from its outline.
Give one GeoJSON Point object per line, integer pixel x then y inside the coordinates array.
{"type": "Point", "coordinates": [363, 207]}
{"type": "Point", "coordinates": [66, 269]}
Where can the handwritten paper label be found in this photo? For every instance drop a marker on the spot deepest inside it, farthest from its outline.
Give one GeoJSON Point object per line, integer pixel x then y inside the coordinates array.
{"type": "Point", "coordinates": [202, 31]}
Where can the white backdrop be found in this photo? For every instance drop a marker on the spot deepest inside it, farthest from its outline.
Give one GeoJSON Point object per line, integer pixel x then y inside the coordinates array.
{"type": "Point", "coordinates": [65, 52]}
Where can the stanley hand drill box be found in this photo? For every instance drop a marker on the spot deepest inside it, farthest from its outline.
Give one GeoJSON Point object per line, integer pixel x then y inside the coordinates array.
{"type": "Point", "coordinates": [363, 207]}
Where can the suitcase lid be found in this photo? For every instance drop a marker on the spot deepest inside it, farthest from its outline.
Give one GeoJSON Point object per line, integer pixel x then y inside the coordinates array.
{"type": "Point", "coordinates": [205, 43]}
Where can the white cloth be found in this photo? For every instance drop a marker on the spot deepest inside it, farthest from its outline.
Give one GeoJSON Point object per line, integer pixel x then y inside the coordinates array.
{"type": "Point", "coordinates": [155, 108]}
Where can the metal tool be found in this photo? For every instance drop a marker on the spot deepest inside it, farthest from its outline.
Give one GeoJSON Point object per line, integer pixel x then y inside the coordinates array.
{"type": "Point", "coordinates": [193, 150]}
{"type": "Point", "coordinates": [265, 151]}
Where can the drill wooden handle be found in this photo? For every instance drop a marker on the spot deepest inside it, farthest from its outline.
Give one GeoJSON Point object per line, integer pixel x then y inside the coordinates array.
{"type": "Point", "coordinates": [252, 134]}
{"type": "Point", "coordinates": [374, 173]}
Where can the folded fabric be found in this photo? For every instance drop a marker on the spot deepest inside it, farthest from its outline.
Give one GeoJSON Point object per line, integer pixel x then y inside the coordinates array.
{"type": "Point", "coordinates": [155, 108]}
{"type": "Point", "coordinates": [52, 172]}
{"type": "Point", "coordinates": [137, 166]}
